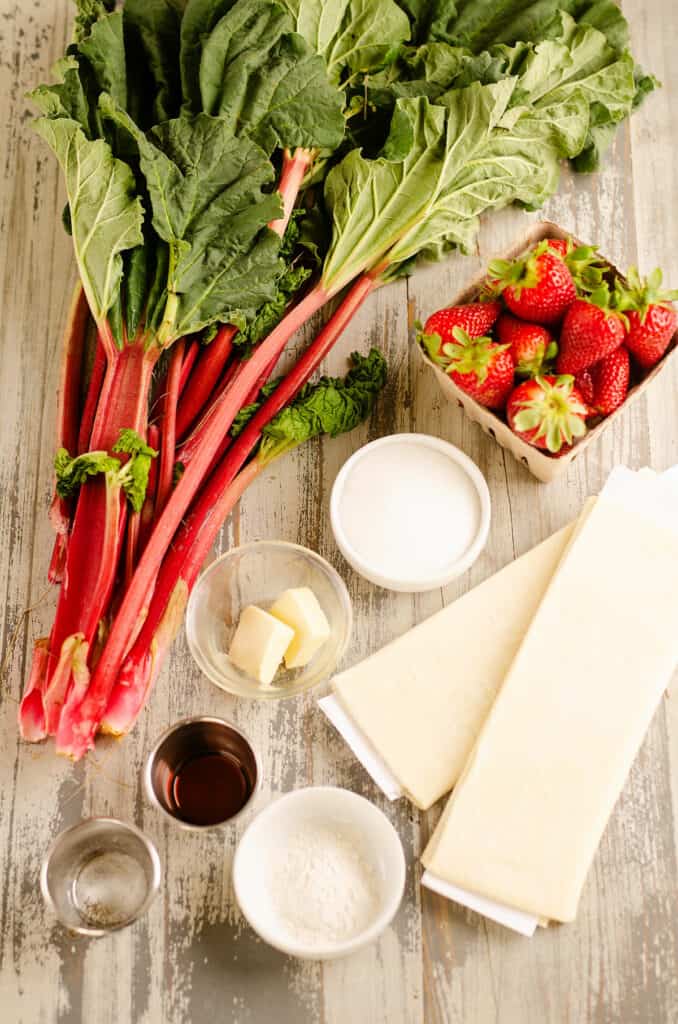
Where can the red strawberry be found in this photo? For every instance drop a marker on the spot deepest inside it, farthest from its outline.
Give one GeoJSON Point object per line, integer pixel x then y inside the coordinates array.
{"type": "Point", "coordinates": [584, 384]}
{"type": "Point", "coordinates": [591, 330]}
{"type": "Point", "coordinates": [531, 344]}
{"type": "Point", "coordinates": [610, 378]}
{"type": "Point", "coordinates": [481, 368]}
{"type": "Point", "coordinates": [476, 318]}
{"type": "Point", "coordinates": [652, 320]}
{"type": "Point", "coordinates": [536, 287]}
{"type": "Point", "coordinates": [559, 245]}
{"type": "Point", "coordinates": [548, 412]}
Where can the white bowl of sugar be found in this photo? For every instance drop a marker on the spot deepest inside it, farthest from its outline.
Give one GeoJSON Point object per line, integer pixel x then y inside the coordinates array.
{"type": "Point", "coordinates": [410, 512]}
{"type": "Point", "coordinates": [319, 873]}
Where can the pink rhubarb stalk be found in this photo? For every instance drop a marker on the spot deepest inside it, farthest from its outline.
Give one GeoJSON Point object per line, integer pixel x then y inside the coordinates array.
{"type": "Point", "coordinates": [148, 510]}
{"type": "Point", "coordinates": [32, 708]}
{"type": "Point", "coordinates": [294, 168]}
{"type": "Point", "coordinates": [98, 527]}
{"type": "Point", "coordinates": [80, 720]}
{"type": "Point", "coordinates": [68, 418]}
{"type": "Point", "coordinates": [96, 380]}
{"type": "Point", "coordinates": [192, 543]}
{"type": "Point", "coordinates": [203, 380]}
{"type": "Point", "coordinates": [192, 353]}
{"type": "Point", "coordinates": [169, 422]}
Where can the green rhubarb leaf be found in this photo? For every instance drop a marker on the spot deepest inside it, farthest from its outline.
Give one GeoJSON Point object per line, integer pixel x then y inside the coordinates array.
{"type": "Point", "coordinates": [267, 82]}
{"type": "Point", "coordinates": [248, 411]}
{"type": "Point", "coordinates": [354, 36]}
{"type": "Point", "coordinates": [332, 406]}
{"type": "Point", "coordinates": [133, 477]}
{"type": "Point", "coordinates": [152, 36]}
{"type": "Point", "coordinates": [106, 215]}
{"type": "Point", "coordinates": [372, 203]}
{"type": "Point", "coordinates": [104, 50]}
{"type": "Point", "coordinates": [66, 97]}
{"type": "Point", "coordinates": [88, 13]}
{"type": "Point", "coordinates": [72, 471]}
{"type": "Point", "coordinates": [208, 204]}
{"type": "Point", "coordinates": [199, 18]}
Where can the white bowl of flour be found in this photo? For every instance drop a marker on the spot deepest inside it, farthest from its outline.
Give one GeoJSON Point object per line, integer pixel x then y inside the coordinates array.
{"type": "Point", "coordinates": [319, 873]}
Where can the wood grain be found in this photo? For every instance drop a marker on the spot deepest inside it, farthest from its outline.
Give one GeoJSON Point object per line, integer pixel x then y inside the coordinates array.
{"type": "Point", "coordinates": [193, 959]}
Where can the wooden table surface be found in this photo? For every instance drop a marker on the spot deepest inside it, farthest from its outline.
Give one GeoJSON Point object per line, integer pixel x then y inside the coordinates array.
{"type": "Point", "coordinates": [192, 959]}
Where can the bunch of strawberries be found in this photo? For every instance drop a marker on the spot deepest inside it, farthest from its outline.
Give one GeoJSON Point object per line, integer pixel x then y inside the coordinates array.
{"type": "Point", "coordinates": [553, 340]}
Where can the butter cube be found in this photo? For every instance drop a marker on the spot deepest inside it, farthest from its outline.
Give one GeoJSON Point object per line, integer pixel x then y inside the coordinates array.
{"type": "Point", "coordinates": [299, 608]}
{"type": "Point", "coordinates": [259, 643]}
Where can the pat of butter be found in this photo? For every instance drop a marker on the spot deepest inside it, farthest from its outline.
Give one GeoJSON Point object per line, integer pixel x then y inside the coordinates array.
{"type": "Point", "coordinates": [259, 643]}
{"type": "Point", "coordinates": [299, 608]}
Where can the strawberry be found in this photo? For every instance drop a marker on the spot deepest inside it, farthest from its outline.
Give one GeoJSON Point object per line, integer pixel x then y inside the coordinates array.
{"type": "Point", "coordinates": [583, 262]}
{"type": "Point", "coordinates": [559, 245]}
{"type": "Point", "coordinates": [548, 412]}
{"type": "Point", "coordinates": [591, 330]}
{"type": "Point", "coordinates": [481, 368]}
{"type": "Point", "coordinates": [584, 385]}
{"type": "Point", "coordinates": [610, 379]}
{"type": "Point", "coordinates": [652, 320]}
{"type": "Point", "coordinates": [531, 344]}
{"type": "Point", "coordinates": [476, 318]}
{"type": "Point", "coordinates": [537, 287]}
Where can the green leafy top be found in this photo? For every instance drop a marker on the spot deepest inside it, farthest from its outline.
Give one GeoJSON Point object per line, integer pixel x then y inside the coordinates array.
{"type": "Point", "coordinates": [639, 293]}
{"type": "Point", "coordinates": [106, 214]}
{"type": "Point", "coordinates": [476, 148]}
{"type": "Point", "coordinates": [152, 40]}
{"type": "Point", "coordinates": [88, 12]}
{"type": "Point", "coordinates": [267, 82]}
{"type": "Point", "coordinates": [354, 36]}
{"type": "Point", "coordinates": [132, 477]}
{"type": "Point", "coordinates": [208, 205]}
{"type": "Point", "coordinates": [71, 472]}
{"type": "Point", "coordinates": [248, 411]}
{"type": "Point", "coordinates": [332, 406]}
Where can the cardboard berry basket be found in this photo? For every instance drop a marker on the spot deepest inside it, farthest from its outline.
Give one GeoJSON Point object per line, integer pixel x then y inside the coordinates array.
{"type": "Point", "coordinates": [542, 465]}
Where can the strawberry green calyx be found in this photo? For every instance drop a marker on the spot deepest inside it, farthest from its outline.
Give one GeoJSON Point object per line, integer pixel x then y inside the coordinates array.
{"type": "Point", "coordinates": [586, 266]}
{"type": "Point", "coordinates": [641, 293]}
{"type": "Point", "coordinates": [553, 414]}
{"type": "Point", "coordinates": [431, 344]}
{"type": "Point", "coordinates": [606, 300]}
{"type": "Point", "coordinates": [471, 355]}
{"type": "Point", "coordinates": [519, 273]}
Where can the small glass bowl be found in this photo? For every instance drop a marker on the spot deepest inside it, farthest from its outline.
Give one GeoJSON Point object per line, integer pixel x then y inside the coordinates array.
{"type": "Point", "coordinates": [258, 573]}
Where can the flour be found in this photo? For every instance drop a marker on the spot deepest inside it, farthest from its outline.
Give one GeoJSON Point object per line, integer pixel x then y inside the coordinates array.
{"type": "Point", "coordinates": [322, 889]}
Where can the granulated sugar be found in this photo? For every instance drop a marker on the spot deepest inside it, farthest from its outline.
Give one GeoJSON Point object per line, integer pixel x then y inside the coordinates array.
{"type": "Point", "coordinates": [322, 887]}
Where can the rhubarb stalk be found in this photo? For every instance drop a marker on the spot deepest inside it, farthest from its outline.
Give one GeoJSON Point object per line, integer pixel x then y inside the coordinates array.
{"type": "Point", "coordinates": [203, 380]}
{"type": "Point", "coordinates": [80, 721]}
{"type": "Point", "coordinates": [67, 420]}
{"type": "Point", "coordinates": [294, 168]}
{"type": "Point", "coordinates": [183, 562]}
{"type": "Point", "coordinates": [169, 424]}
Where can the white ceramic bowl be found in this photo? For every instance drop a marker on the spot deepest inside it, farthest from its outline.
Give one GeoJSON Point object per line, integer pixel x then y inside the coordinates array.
{"type": "Point", "coordinates": [258, 573]}
{"type": "Point", "coordinates": [466, 472]}
{"type": "Point", "coordinates": [262, 846]}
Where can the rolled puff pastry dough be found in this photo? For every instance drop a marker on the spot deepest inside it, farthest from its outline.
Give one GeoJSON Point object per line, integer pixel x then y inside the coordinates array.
{"type": "Point", "coordinates": [525, 820]}
{"type": "Point", "coordinates": [421, 700]}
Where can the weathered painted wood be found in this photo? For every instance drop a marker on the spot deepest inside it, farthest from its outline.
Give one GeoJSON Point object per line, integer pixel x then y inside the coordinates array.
{"type": "Point", "coordinates": [193, 959]}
